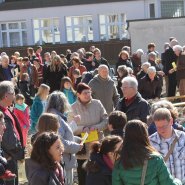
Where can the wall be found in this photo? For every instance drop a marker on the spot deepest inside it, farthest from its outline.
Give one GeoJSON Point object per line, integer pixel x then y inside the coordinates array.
{"type": "Point", "coordinates": [158, 31]}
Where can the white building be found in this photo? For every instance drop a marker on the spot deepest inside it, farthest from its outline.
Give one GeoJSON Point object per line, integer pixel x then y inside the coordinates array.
{"type": "Point", "coordinates": [30, 22]}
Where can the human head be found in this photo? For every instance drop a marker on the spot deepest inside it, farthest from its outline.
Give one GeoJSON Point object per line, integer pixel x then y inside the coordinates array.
{"type": "Point", "coordinates": [66, 83]}
{"type": "Point", "coordinates": [5, 61]}
{"type": "Point", "coordinates": [122, 71]}
{"type": "Point", "coordinates": [19, 99]}
{"type": "Point", "coordinates": [2, 125]}
{"type": "Point", "coordinates": [139, 53]}
{"type": "Point", "coordinates": [38, 49]}
{"type": "Point", "coordinates": [126, 48]}
{"type": "Point", "coordinates": [129, 87]}
{"type": "Point", "coordinates": [97, 53]}
{"type": "Point", "coordinates": [145, 66]}
{"type": "Point", "coordinates": [173, 43]}
{"type": "Point", "coordinates": [48, 122]}
{"type": "Point", "coordinates": [17, 54]}
{"type": "Point", "coordinates": [103, 71]}
{"type": "Point", "coordinates": [30, 51]}
{"type": "Point", "coordinates": [172, 38]}
{"type": "Point", "coordinates": [151, 72]}
{"type": "Point", "coordinates": [19, 61]}
{"type": "Point", "coordinates": [152, 56]}
{"type": "Point", "coordinates": [76, 62]}
{"type": "Point", "coordinates": [47, 56]}
{"type": "Point", "coordinates": [117, 120]}
{"type": "Point", "coordinates": [163, 122]}
{"type": "Point", "coordinates": [74, 54]}
{"type": "Point", "coordinates": [177, 49]}
{"type": "Point", "coordinates": [166, 46]}
{"type": "Point", "coordinates": [13, 59]}
{"type": "Point", "coordinates": [43, 91]}
{"type": "Point", "coordinates": [7, 93]}
{"type": "Point", "coordinates": [53, 54]}
{"type": "Point", "coordinates": [76, 73]}
{"type": "Point", "coordinates": [136, 139]}
{"type": "Point", "coordinates": [124, 55]}
{"type": "Point", "coordinates": [42, 151]}
{"type": "Point", "coordinates": [92, 48]}
{"type": "Point", "coordinates": [36, 62]}
{"type": "Point", "coordinates": [26, 61]}
{"type": "Point", "coordinates": [151, 47]}
{"type": "Point", "coordinates": [130, 71]}
{"type": "Point", "coordinates": [83, 92]}
{"type": "Point", "coordinates": [89, 56]}
{"type": "Point", "coordinates": [58, 101]}
{"type": "Point", "coordinates": [25, 77]}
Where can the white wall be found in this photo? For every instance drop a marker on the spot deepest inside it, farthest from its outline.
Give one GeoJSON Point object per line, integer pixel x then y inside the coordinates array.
{"type": "Point", "coordinates": [157, 31]}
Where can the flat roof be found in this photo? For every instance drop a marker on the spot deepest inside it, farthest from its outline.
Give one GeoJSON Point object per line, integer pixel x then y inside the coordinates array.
{"type": "Point", "coordinates": [27, 4]}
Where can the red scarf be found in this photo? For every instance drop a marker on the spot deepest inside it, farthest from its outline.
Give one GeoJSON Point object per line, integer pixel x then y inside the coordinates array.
{"type": "Point", "coordinates": [108, 162]}
{"type": "Point", "coordinates": [60, 173]}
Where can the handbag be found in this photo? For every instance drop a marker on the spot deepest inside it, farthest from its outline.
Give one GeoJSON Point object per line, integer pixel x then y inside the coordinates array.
{"type": "Point", "coordinates": [144, 172]}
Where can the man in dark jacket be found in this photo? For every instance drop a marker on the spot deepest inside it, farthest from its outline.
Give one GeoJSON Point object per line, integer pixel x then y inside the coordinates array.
{"type": "Point", "coordinates": [133, 105]}
{"type": "Point", "coordinates": [12, 140]}
{"type": "Point", "coordinates": [150, 86]}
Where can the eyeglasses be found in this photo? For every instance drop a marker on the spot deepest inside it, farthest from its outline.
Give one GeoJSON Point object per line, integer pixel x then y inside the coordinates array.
{"type": "Point", "coordinates": [86, 92]}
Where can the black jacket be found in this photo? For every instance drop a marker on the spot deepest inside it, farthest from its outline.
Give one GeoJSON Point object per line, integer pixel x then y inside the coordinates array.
{"type": "Point", "coordinates": [138, 109]}
{"type": "Point", "coordinates": [2, 76]}
{"type": "Point", "coordinates": [150, 89]}
{"type": "Point", "coordinates": [120, 62]}
{"type": "Point", "coordinates": [98, 173]}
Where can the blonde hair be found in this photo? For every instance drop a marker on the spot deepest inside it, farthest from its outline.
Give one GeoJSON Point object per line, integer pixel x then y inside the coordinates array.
{"type": "Point", "coordinates": [42, 91]}
{"type": "Point", "coordinates": [53, 66]}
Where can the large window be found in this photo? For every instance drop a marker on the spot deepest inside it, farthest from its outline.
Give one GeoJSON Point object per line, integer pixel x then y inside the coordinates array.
{"type": "Point", "coordinates": [13, 34]}
{"type": "Point", "coordinates": [172, 8]}
{"type": "Point", "coordinates": [79, 29]}
{"type": "Point", "coordinates": [46, 31]}
{"type": "Point", "coordinates": [112, 26]}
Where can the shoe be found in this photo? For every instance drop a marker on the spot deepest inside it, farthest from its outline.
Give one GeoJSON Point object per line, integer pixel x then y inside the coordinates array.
{"type": "Point", "coordinates": [8, 175]}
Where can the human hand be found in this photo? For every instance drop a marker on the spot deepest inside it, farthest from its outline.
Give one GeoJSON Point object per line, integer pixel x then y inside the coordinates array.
{"type": "Point", "coordinates": [81, 146]}
{"type": "Point", "coordinates": [77, 118]}
{"type": "Point", "coordinates": [161, 73]}
{"type": "Point", "coordinates": [86, 129]}
{"type": "Point", "coordinates": [92, 128]}
{"type": "Point", "coordinates": [171, 71]}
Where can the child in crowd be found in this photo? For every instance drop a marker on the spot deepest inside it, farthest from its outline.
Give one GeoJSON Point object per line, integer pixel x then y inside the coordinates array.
{"type": "Point", "coordinates": [21, 110]}
{"type": "Point", "coordinates": [67, 89]}
{"type": "Point", "coordinates": [39, 104]}
{"type": "Point", "coordinates": [102, 158]}
{"type": "Point", "coordinates": [77, 78]}
{"type": "Point", "coordinates": [24, 88]}
{"type": "Point", "coordinates": [116, 123]}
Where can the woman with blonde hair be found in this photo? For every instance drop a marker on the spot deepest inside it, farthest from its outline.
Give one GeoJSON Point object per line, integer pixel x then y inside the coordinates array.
{"type": "Point", "coordinates": [55, 72]}
{"type": "Point", "coordinates": [38, 106]}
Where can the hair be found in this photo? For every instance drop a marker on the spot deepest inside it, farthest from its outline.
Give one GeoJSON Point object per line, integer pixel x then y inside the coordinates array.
{"type": "Point", "coordinates": [76, 72]}
{"type": "Point", "coordinates": [126, 48]}
{"type": "Point", "coordinates": [162, 114]}
{"type": "Point", "coordinates": [173, 43]}
{"type": "Point", "coordinates": [152, 54]}
{"type": "Point", "coordinates": [25, 59]}
{"type": "Point", "coordinates": [74, 54]}
{"type": "Point", "coordinates": [132, 82]}
{"type": "Point", "coordinates": [19, 97]}
{"type": "Point", "coordinates": [96, 50]}
{"type": "Point", "coordinates": [140, 51]}
{"type": "Point", "coordinates": [63, 81]}
{"type": "Point", "coordinates": [42, 90]}
{"type": "Point", "coordinates": [165, 104]}
{"type": "Point", "coordinates": [6, 87]}
{"type": "Point", "coordinates": [146, 64]}
{"type": "Point", "coordinates": [123, 52]}
{"type": "Point", "coordinates": [89, 54]}
{"type": "Point", "coordinates": [171, 38]}
{"type": "Point", "coordinates": [136, 139]}
{"type": "Point", "coordinates": [5, 57]}
{"type": "Point", "coordinates": [102, 66]}
{"type": "Point", "coordinates": [30, 50]}
{"type": "Point", "coordinates": [81, 87]}
{"type": "Point", "coordinates": [177, 48]}
{"type": "Point", "coordinates": [48, 122]}
{"type": "Point", "coordinates": [40, 152]}
{"type": "Point", "coordinates": [77, 60]}
{"type": "Point", "coordinates": [37, 60]}
{"type": "Point", "coordinates": [166, 45]}
{"type": "Point", "coordinates": [38, 47]}
{"type": "Point", "coordinates": [46, 53]}
{"type": "Point", "coordinates": [53, 66]}
{"type": "Point", "coordinates": [58, 101]}
{"type": "Point", "coordinates": [151, 45]}
{"type": "Point", "coordinates": [17, 53]}
{"type": "Point", "coordinates": [117, 119]}
{"type": "Point", "coordinates": [123, 69]}
{"type": "Point", "coordinates": [151, 69]}
{"type": "Point", "coordinates": [24, 76]}
{"type": "Point", "coordinates": [19, 59]}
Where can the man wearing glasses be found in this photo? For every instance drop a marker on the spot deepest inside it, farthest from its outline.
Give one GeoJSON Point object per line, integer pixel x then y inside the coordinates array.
{"type": "Point", "coordinates": [169, 142]}
{"type": "Point", "coordinates": [12, 141]}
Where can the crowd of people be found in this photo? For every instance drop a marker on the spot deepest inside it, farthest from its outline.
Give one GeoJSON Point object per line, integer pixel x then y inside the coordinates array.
{"type": "Point", "coordinates": [56, 100]}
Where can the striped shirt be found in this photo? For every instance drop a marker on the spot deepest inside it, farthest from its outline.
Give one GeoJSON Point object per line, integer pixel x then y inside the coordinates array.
{"type": "Point", "coordinates": [176, 161]}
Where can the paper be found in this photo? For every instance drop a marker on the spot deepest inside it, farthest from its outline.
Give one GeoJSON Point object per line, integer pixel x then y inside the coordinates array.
{"type": "Point", "coordinates": [84, 138]}
{"type": "Point", "coordinates": [93, 136]}
{"type": "Point", "coordinates": [174, 65]}
{"type": "Point", "coordinates": [73, 126]}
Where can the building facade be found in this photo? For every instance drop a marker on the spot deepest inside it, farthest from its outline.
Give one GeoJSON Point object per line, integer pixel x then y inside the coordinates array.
{"type": "Point", "coordinates": [38, 22]}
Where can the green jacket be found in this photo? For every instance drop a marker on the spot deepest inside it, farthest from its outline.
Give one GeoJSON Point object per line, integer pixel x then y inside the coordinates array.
{"type": "Point", "coordinates": [157, 174]}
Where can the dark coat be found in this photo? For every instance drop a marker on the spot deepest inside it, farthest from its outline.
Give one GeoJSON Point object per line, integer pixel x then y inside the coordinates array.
{"type": "Point", "coordinates": [140, 74]}
{"type": "Point", "coordinates": [181, 66]}
{"type": "Point", "coordinates": [37, 175]}
{"type": "Point", "coordinates": [150, 89]}
{"type": "Point", "coordinates": [2, 76]}
{"type": "Point", "coordinates": [120, 62]}
{"type": "Point", "coordinates": [102, 61]}
{"type": "Point", "coordinates": [97, 171]}
{"type": "Point", "coordinates": [138, 109]}
{"type": "Point", "coordinates": [3, 163]}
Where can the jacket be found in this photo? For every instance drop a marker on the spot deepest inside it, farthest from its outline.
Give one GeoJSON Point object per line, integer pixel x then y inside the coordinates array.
{"type": "Point", "coordinates": [71, 147]}
{"type": "Point", "coordinates": [138, 109]}
{"type": "Point", "coordinates": [150, 89]}
{"type": "Point", "coordinates": [102, 61]}
{"type": "Point", "coordinates": [2, 75]}
{"type": "Point", "coordinates": [70, 95]}
{"type": "Point", "coordinates": [98, 171]}
{"type": "Point", "coordinates": [156, 174]}
{"type": "Point", "coordinates": [37, 175]}
{"type": "Point", "coordinates": [181, 66]}
{"type": "Point", "coordinates": [105, 91]}
{"type": "Point", "coordinates": [120, 62]}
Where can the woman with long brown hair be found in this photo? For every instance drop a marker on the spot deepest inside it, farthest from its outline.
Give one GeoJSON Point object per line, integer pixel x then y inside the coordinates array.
{"type": "Point", "coordinates": [140, 163]}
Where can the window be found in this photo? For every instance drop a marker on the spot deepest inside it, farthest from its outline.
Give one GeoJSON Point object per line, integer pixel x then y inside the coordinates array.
{"type": "Point", "coordinates": [152, 10]}
{"type": "Point", "coordinates": [46, 31]}
{"type": "Point", "coordinates": [112, 26]}
{"type": "Point", "coordinates": [79, 29]}
{"type": "Point", "coordinates": [172, 8]}
{"type": "Point", "coordinates": [14, 34]}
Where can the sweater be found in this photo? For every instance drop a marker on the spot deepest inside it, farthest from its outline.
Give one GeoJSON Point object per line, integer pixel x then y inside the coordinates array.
{"type": "Point", "coordinates": [69, 95]}
{"type": "Point", "coordinates": [156, 174]}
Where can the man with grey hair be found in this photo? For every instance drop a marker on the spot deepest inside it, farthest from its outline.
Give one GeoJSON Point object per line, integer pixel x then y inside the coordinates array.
{"type": "Point", "coordinates": [169, 61]}
{"type": "Point", "coordinates": [143, 70]}
{"type": "Point", "coordinates": [132, 103]}
{"type": "Point", "coordinates": [104, 89]}
{"type": "Point", "coordinates": [150, 85]}
{"type": "Point", "coordinates": [169, 142]}
{"type": "Point", "coordinates": [12, 141]}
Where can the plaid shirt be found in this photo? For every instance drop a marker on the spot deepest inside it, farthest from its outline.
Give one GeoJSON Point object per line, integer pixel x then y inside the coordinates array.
{"type": "Point", "coordinates": [176, 161]}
